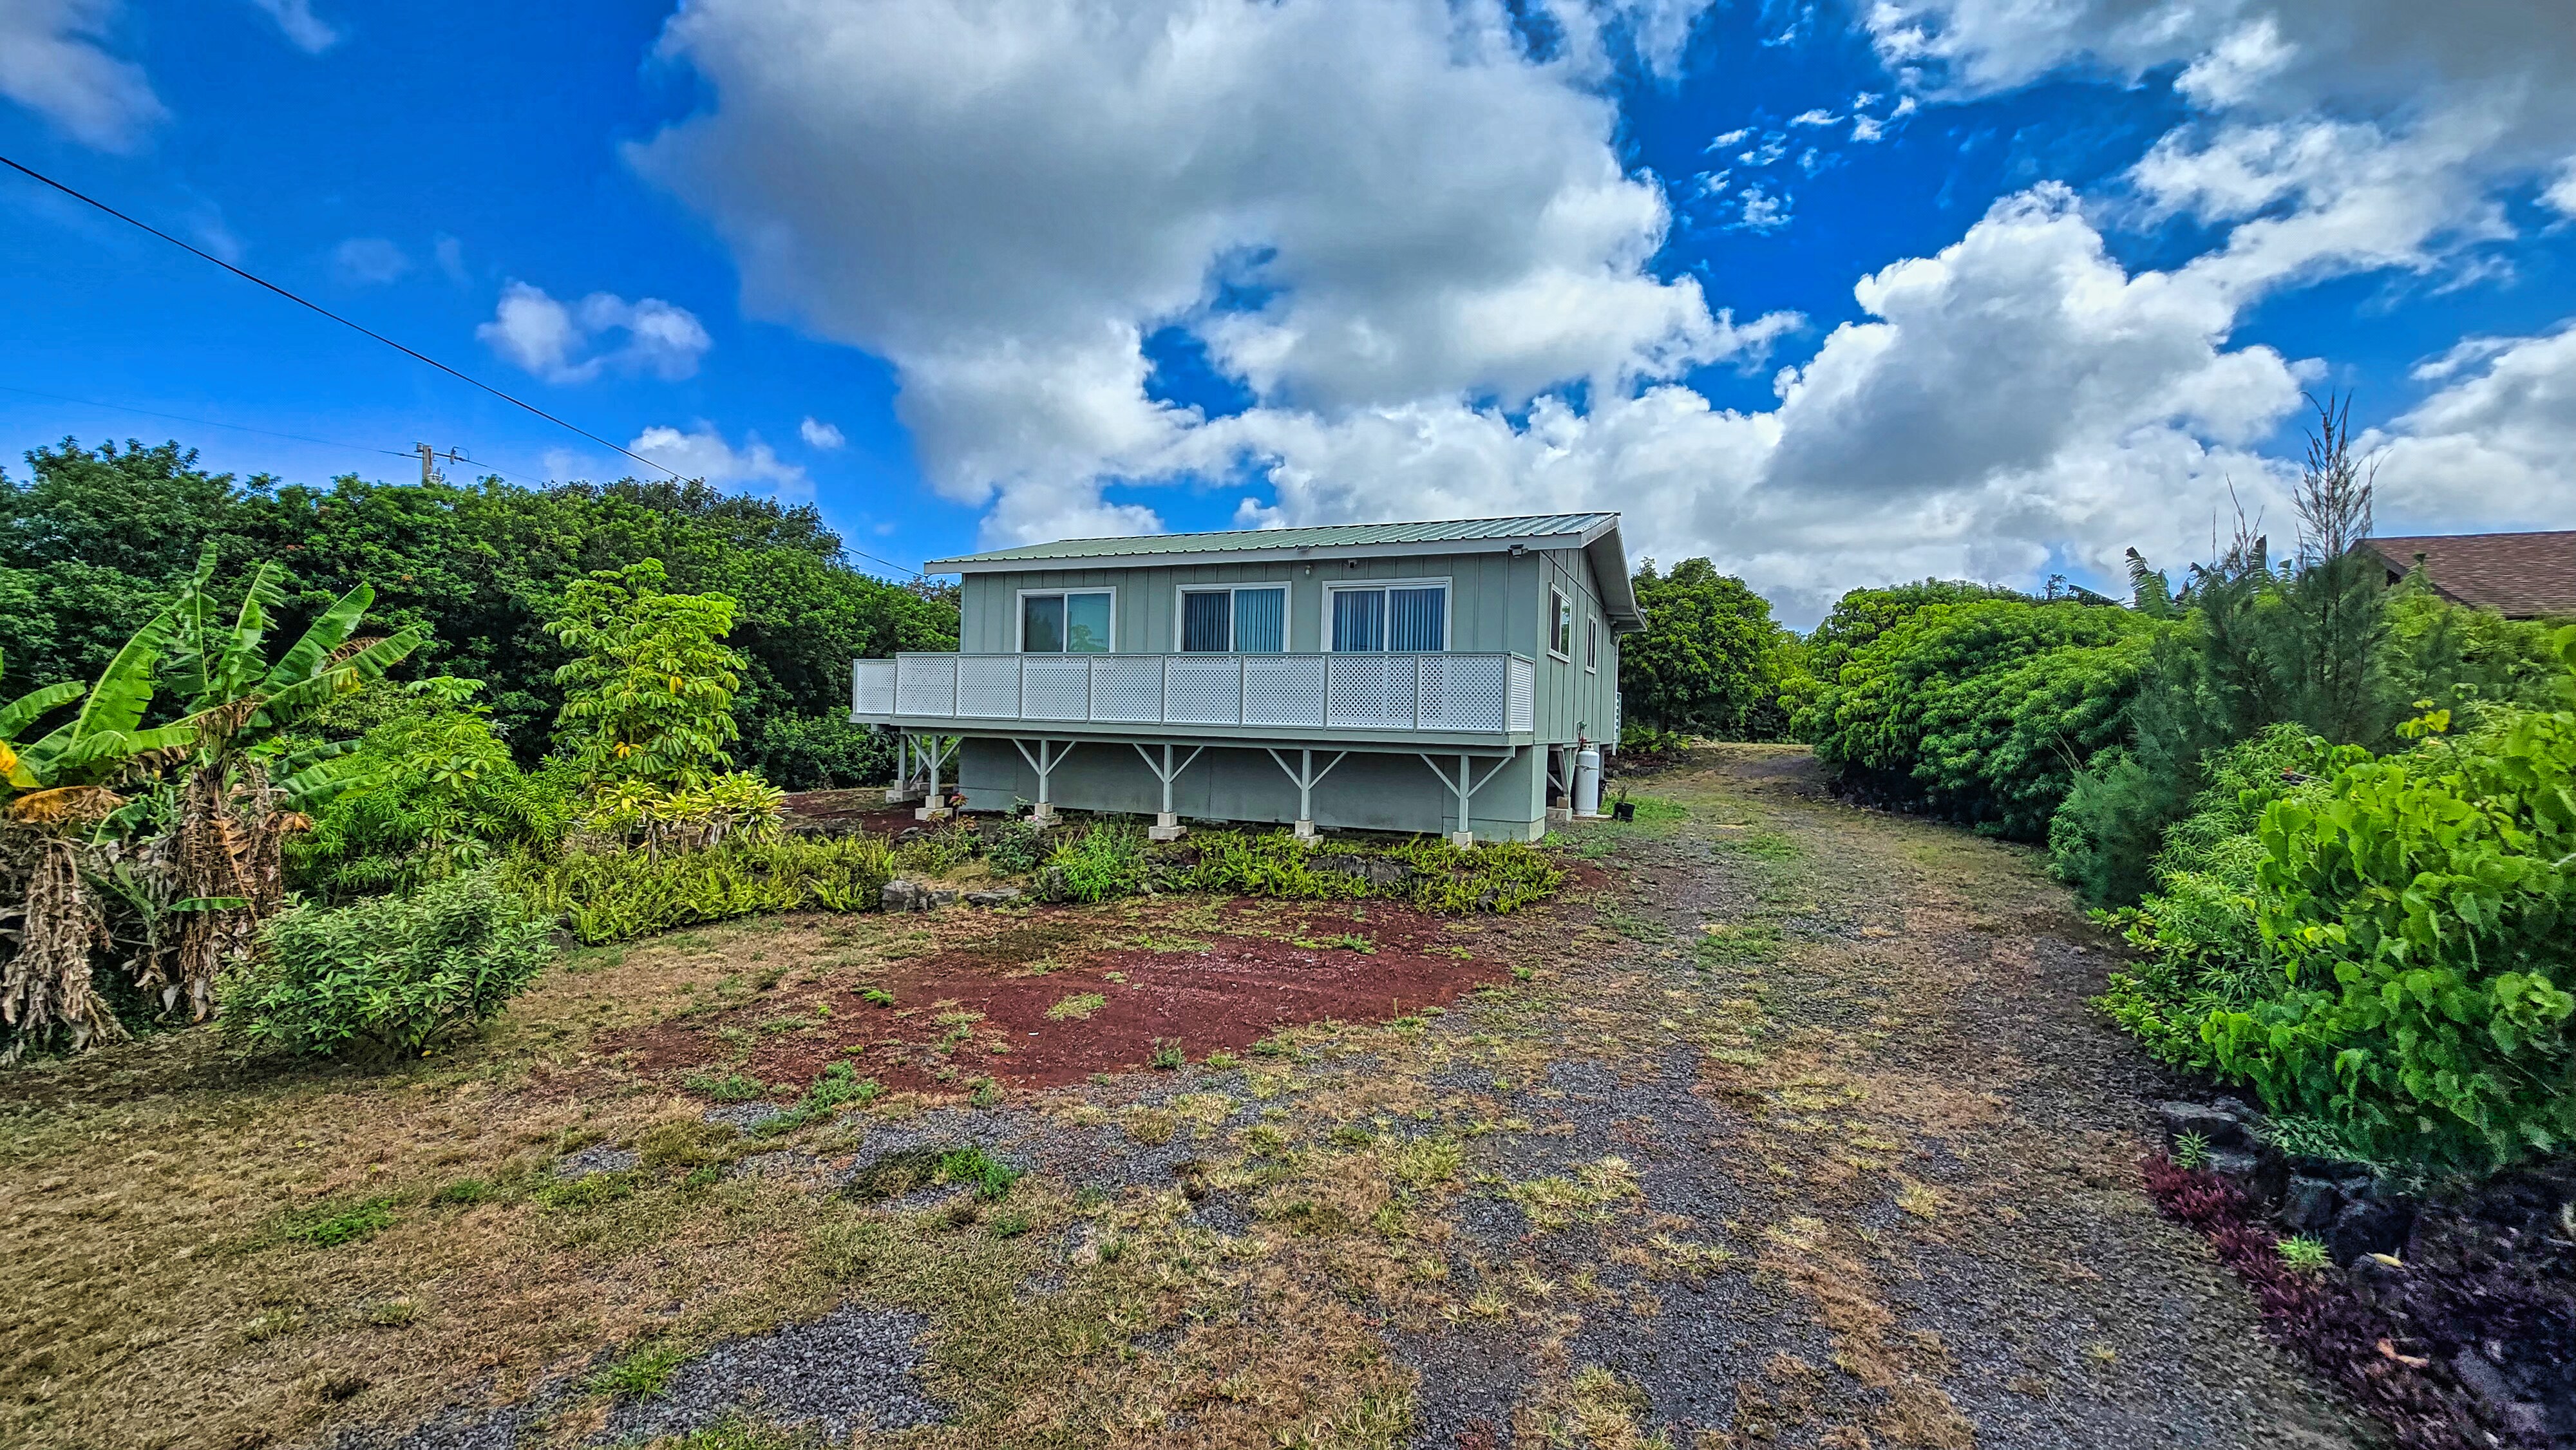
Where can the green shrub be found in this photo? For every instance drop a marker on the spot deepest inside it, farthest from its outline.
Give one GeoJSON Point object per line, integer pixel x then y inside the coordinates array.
{"type": "Point", "coordinates": [617, 896]}
{"type": "Point", "coordinates": [387, 975]}
{"type": "Point", "coordinates": [2426, 919]}
{"type": "Point", "coordinates": [1016, 847]}
{"type": "Point", "coordinates": [822, 752]}
{"type": "Point", "coordinates": [1982, 711]}
{"type": "Point", "coordinates": [1099, 862]}
{"type": "Point", "coordinates": [2200, 944]}
{"type": "Point", "coordinates": [990, 1176]}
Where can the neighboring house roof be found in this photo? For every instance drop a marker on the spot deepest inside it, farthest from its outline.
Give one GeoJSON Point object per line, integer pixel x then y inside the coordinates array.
{"type": "Point", "coordinates": [2520, 576]}
{"type": "Point", "coordinates": [1597, 534]}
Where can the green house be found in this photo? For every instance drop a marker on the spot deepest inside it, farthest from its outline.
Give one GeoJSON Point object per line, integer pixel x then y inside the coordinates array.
{"type": "Point", "coordinates": [1401, 677]}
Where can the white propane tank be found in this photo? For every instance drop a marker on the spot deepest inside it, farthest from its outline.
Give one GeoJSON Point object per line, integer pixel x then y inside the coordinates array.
{"type": "Point", "coordinates": [1587, 782]}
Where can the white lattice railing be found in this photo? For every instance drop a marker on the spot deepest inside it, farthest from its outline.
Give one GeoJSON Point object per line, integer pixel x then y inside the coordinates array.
{"type": "Point", "coordinates": [1466, 693]}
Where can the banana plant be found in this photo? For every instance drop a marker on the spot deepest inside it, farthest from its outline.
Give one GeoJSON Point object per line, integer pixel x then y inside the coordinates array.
{"type": "Point", "coordinates": [22, 712]}
{"type": "Point", "coordinates": [233, 697]}
{"type": "Point", "coordinates": [70, 772]}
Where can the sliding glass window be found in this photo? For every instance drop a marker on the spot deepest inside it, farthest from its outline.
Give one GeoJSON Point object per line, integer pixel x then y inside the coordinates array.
{"type": "Point", "coordinates": [1073, 621]}
{"type": "Point", "coordinates": [1244, 621]}
{"type": "Point", "coordinates": [1398, 618]}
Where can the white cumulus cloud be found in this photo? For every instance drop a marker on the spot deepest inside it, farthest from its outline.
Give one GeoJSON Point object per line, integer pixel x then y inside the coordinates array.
{"type": "Point", "coordinates": [369, 261]}
{"type": "Point", "coordinates": [55, 61]}
{"type": "Point", "coordinates": [819, 434]}
{"type": "Point", "coordinates": [703, 453]}
{"type": "Point", "coordinates": [2489, 448]}
{"type": "Point", "coordinates": [573, 343]}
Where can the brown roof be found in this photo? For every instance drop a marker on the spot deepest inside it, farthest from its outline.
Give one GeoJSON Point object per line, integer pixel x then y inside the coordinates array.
{"type": "Point", "coordinates": [2520, 576]}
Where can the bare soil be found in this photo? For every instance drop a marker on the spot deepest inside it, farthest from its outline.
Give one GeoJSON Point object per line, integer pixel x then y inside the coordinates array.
{"type": "Point", "coordinates": [1005, 994]}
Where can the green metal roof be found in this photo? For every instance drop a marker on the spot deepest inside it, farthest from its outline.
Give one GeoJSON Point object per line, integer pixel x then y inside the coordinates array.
{"type": "Point", "coordinates": [1327, 536]}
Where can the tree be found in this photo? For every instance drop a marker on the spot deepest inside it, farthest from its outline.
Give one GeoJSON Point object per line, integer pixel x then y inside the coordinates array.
{"type": "Point", "coordinates": [1710, 660]}
{"type": "Point", "coordinates": [648, 697]}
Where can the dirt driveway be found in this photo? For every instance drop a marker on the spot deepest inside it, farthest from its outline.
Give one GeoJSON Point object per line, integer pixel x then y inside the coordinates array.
{"type": "Point", "coordinates": [1788, 1127]}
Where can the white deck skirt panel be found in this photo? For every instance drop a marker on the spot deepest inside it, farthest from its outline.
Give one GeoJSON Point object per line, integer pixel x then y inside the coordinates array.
{"type": "Point", "coordinates": [1451, 694]}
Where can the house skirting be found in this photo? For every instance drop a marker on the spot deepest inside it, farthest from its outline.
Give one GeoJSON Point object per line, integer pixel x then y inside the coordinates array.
{"type": "Point", "coordinates": [1378, 788]}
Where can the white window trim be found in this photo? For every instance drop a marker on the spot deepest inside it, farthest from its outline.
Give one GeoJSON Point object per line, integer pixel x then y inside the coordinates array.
{"type": "Point", "coordinates": [1560, 605]}
{"type": "Point", "coordinates": [1591, 643]}
{"type": "Point", "coordinates": [1020, 615]}
{"type": "Point", "coordinates": [1448, 611]}
{"type": "Point", "coordinates": [1287, 591]}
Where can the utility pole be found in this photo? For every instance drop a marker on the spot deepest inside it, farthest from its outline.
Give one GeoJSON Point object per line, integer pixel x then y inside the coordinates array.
{"type": "Point", "coordinates": [430, 458]}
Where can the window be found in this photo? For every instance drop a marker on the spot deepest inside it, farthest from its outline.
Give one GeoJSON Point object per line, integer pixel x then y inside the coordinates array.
{"type": "Point", "coordinates": [1246, 621]}
{"type": "Point", "coordinates": [1405, 618]}
{"type": "Point", "coordinates": [1065, 621]}
{"type": "Point", "coordinates": [1591, 644]}
{"type": "Point", "coordinates": [1560, 627]}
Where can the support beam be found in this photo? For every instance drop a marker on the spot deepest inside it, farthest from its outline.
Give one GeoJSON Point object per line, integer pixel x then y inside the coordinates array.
{"type": "Point", "coordinates": [1465, 788]}
{"type": "Point", "coordinates": [1050, 754]}
{"type": "Point", "coordinates": [1307, 778]}
{"type": "Point", "coordinates": [931, 757]}
{"type": "Point", "coordinates": [901, 790]}
{"type": "Point", "coordinates": [1167, 826]}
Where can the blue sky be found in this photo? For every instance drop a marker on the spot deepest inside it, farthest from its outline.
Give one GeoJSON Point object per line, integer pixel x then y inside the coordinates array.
{"type": "Point", "coordinates": [1833, 297]}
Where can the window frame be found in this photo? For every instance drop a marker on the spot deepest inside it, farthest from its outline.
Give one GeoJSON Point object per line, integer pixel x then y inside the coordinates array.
{"type": "Point", "coordinates": [1181, 592]}
{"type": "Point", "coordinates": [1020, 618]}
{"type": "Point", "coordinates": [1591, 643]}
{"type": "Point", "coordinates": [1448, 612]}
{"type": "Point", "coordinates": [1560, 611]}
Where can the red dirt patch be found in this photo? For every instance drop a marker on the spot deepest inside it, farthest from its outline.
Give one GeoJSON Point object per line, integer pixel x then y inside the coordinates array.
{"type": "Point", "coordinates": [858, 811]}
{"type": "Point", "coordinates": [975, 1009]}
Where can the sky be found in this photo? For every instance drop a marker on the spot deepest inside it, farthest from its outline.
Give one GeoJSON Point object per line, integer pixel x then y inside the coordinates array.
{"type": "Point", "coordinates": [1833, 294]}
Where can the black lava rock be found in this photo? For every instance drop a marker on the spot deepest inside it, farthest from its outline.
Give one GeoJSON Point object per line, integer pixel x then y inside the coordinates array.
{"type": "Point", "coordinates": [2222, 1128]}
{"type": "Point", "coordinates": [2369, 1226]}
{"type": "Point", "coordinates": [2310, 1203]}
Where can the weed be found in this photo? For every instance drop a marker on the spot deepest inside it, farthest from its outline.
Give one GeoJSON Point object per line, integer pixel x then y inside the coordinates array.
{"type": "Point", "coordinates": [877, 997]}
{"type": "Point", "coordinates": [1077, 1007]}
{"type": "Point", "coordinates": [847, 1248]}
{"type": "Point", "coordinates": [1344, 941]}
{"type": "Point", "coordinates": [1352, 1135]}
{"type": "Point", "coordinates": [1763, 845]}
{"type": "Point", "coordinates": [838, 1085]}
{"type": "Point", "coordinates": [1916, 1199]}
{"type": "Point", "coordinates": [1167, 1054]}
{"type": "Point", "coordinates": [1222, 1061]}
{"type": "Point", "coordinates": [1008, 1225]}
{"type": "Point", "coordinates": [684, 1143]}
{"type": "Point", "coordinates": [733, 1087]}
{"type": "Point", "coordinates": [643, 1373]}
{"type": "Point", "coordinates": [2304, 1254]}
{"type": "Point", "coordinates": [270, 1323]}
{"type": "Point", "coordinates": [393, 1313]}
{"type": "Point", "coordinates": [2191, 1150]}
{"type": "Point", "coordinates": [464, 1193]}
{"type": "Point", "coordinates": [738, 1432]}
{"type": "Point", "coordinates": [591, 1190]}
{"type": "Point", "coordinates": [329, 1226]}
{"type": "Point", "coordinates": [1558, 1201]}
{"type": "Point", "coordinates": [1426, 1161]}
{"type": "Point", "coordinates": [990, 1176]}
{"type": "Point", "coordinates": [987, 1094]}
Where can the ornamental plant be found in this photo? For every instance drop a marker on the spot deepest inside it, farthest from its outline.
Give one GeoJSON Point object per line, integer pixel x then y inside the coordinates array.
{"type": "Point", "coordinates": [390, 975]}
{"type": "Point", "coordinates": [2422, 910]}
{"type": "Point", "coordinates": [649, 694]}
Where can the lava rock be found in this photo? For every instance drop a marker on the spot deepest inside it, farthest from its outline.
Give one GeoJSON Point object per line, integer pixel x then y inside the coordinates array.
{"type": "Point", "coordinates": [999, 896]}
{"type": "Point", "coordinates": [902, 895]}
{"type": "Point", "coordinates": [2310, 1204]}
{"type": "Point", "coordinates": [2369, 1226]}
{"type": "Point", "coordinates": [2263, 1176]}
{"type": "Point", "coordinates": [1384, 873]}
{"type": "Point", "coordinates": [2222, 1128]}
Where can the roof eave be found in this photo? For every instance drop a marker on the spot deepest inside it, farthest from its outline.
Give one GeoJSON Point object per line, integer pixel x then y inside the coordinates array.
{"type": "Point", "coordinates": [1294, 553]}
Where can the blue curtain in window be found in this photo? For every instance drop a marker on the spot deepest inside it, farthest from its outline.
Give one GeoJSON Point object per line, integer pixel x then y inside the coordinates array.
{"type": "Point", "coordinates": [1260, 621]}
{"type": "Point", "coordinates": [1204, 627]}
{"type": "Point", "coordinates": [1042, 623]}
{"type": "Point", "coordinates": [1359, 619]}
{"type": "Point", "coordinates": [1086, 624]}
{"type": "Point", "coordinates": [1417, 619]}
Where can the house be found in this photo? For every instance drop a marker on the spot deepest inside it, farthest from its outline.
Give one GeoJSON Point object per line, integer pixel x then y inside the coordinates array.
{"type": "Point", "coordinates": [1400, 677]}
{"type": "Point", "coordinates": [2520, 576]}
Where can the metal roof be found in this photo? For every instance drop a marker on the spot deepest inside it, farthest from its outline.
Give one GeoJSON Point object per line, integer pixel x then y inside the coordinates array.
{"type": "Point", "coordinates": [1582, 527]}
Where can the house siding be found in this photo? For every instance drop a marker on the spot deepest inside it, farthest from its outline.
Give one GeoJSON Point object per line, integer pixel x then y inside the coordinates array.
{"type": "Point", "coordinates": [1497, 603]}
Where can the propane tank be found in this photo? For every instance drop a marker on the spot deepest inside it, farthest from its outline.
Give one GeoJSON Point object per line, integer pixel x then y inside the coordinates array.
{"type": "Point", "coordinates": [1587, 782]}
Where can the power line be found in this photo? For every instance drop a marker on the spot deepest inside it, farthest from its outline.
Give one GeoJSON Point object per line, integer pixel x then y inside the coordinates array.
{"type": "Point", "coordinates": [36, 175]}
{"type": "Point", "coordinates": [405, 454]}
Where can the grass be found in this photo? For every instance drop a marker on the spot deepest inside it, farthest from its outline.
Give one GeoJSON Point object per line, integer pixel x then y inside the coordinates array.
{"type": "Point", "coordinates": [643, 1373]}
{"type": "Point", "coordinates": [1077, 1008]}
{"type": "Point", "coordinates": [330, 1226]}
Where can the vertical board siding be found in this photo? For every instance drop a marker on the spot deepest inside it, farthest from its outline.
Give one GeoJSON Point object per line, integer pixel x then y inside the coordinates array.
{"type": "Point", "coordinates": [1496, 603]}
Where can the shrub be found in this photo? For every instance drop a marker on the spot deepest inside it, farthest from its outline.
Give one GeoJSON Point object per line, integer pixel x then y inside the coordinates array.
{"type": "Point", "coordinates": [1981, 711]}
{"type": "Point", "coordinates": [619, 895]}
{"type": "Point", "coordinates": [2423, 911]}
{"type": "Point", "coordinates": [388, 975]}
{"type": "Point", "coordinates": [1100, 862]}
{"type": "Point", "coordinates": [822, 752]}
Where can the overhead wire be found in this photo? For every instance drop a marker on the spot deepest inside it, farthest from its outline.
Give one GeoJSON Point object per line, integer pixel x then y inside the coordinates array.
{"type": "Point", "coordinates": [258, 281]}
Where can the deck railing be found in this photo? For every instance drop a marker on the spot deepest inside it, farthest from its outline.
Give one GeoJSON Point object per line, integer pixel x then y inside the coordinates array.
{"type": "Point", "coordinates": [1462, 693]}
